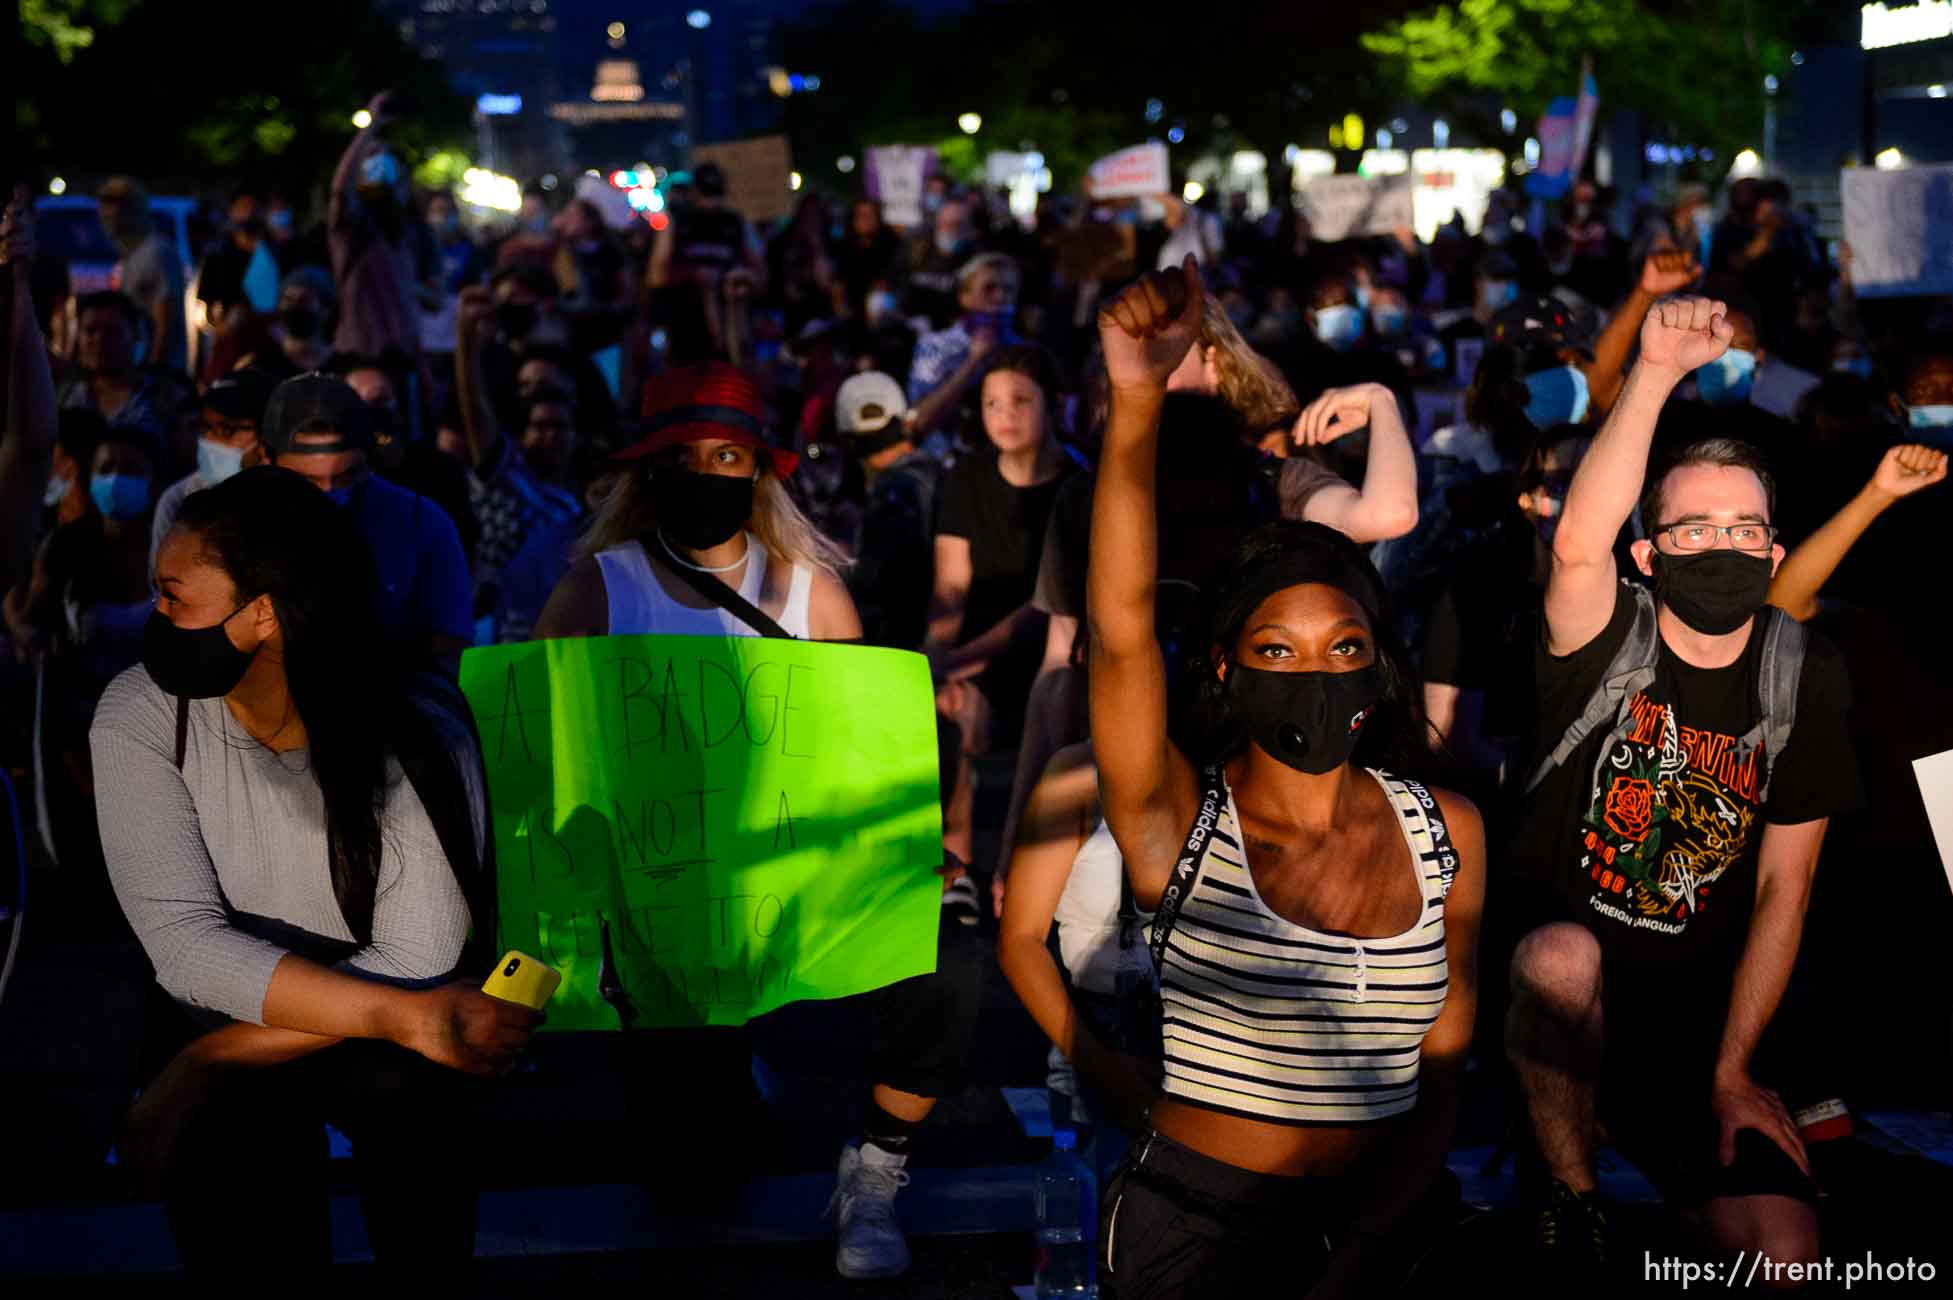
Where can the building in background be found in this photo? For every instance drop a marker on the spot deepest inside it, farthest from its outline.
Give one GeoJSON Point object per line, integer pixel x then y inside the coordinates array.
{"type": "Point", "coordinates": [505, 57]}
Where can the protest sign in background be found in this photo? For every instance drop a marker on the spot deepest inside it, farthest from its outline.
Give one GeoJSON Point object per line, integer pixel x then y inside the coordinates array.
{"type": "Point", "coordinates": [1897, 223]}
{"type": "Point", "coordinates": [1138, 172]}
{"type": "Point", "coordinates": [750, 821]}
{"type": "Point", "coordinates": [895, 173]}
{"type": "Point", "coordinates": [759, 175]}
{"type": "Point", "coordinates": [1341, 207]}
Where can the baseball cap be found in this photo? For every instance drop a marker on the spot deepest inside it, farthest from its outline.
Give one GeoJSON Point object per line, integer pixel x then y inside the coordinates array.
{"type": "Point", "coordinates": [868, 403]}
{"type": "Point", "coordinates": [710, 399]}
{"type": "Point", "coordinates": [1539, 323]}
{"type": "Point", "coordinates": [241, 395]}
{"type": "Point", "coordinates": [316, 403]}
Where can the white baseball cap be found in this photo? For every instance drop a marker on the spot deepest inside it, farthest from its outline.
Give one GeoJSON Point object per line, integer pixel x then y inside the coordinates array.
{"type": "Point", "coordinates": [868, 402]}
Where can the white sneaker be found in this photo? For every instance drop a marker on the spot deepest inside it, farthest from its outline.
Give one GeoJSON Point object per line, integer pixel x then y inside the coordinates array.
{"type": "Point", "coordinates": [864, 1207]}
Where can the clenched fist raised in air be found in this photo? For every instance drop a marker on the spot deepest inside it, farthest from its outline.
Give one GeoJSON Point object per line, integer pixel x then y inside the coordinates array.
{"type": "Point", "coordinates": [1681, 334]}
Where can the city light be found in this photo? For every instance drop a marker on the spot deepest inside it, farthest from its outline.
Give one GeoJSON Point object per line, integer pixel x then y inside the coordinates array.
{"type": "Point", "coordinates": [1440, 134]}
{"type": "Point", "coordinates": [794, 181]}
{"type": "Point", "coordinates": [1746, 163]}
{"type": "Point", "coordinates": [1291, 153]}
{"type": "Point", "coordinates": [1532, 151]}
{"type": "Point", "coordinates": [362, 119]}
{"type": "Point", "coordinates": [616, 31]}
{"type": "Point", "coordinates": [624, 180]}
{"type": "Point", "coordinates": [844, 164]}
{"type": "Point", "coordinates": [970, 123]}
{"type": "Point", "coordinates": [1192, 191]}
{"type": "Point", "coordinates": [1889, 160]}
{"type": "Point", "coordinates": [1353, 130]}
{"type": "Point", "coordinates": [57, 186]}
{"type": "Point", "coordinates": [1936, 91]}
{"type": "Point", "coordinates": [1153, 110]}
{"type": "Point", "coordinates": [549, 181]}
{"type": "Point", "coordinates": [1508, 121]}
{"type": "Point", "coordinates": [486, 189]}
{"type": "Point", "coordinates": [1928, 20]}
{"type": "Point", "coordinates": [779, 82]}
{"type": "Point", "coordinates": [1175, 135]}
{"type": "Point", "coordinates": [1335, 135]}
{"type": "Point", "coordinates": [698, 20]}
{"type": "Point", "coordinates": [498, 105]}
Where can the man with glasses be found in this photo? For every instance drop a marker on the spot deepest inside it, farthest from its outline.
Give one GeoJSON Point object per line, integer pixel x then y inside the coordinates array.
{"type": "Point", "coordinates": [1693, 748]}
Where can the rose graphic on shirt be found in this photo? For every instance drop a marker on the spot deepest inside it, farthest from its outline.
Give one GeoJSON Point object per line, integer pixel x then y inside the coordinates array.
{"type": "Point", "coordinates": [1630, 807]}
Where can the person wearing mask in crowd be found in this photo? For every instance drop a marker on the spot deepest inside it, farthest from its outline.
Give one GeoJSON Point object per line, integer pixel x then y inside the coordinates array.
{"type": "Point", "coordinates": [320, 428]}
{"type": "Point", "coordinates": [1477, 697]}
{"type": "Point", "coordinates": [1903, 470]}
{"type": "Point", "coordinates": [1923, 399]}
{"type": "Point", "coordinates": [150, 271]}
{"type": "Point", "coordinates": [594, 275]}
{"type": "Point", "coordinates": [518, 482]}
{"type": "Point", "coordinates": [80, 619]}
{"type": "Point", "coordinates": [373, 256]}
{"type": "Point", "coordinates": [306, 301]}
{"type": "Point", "coordinates": [415, 464]}
{"type": "Point", "coordinates": [1361, 886]}
{"type": "Point", "coordinates": [937, 257]}
{"type": "Point", "coordinates": [1595, 257]}
{"type": "Point", "coordinates": [1694, 748]}
{"type": "Point", "coordinates": [986, 638]}
{"type": "Point", "coordinates": [227, 442]}
{"type": "Point", "coordinates": [704, 494]}
{"type": "Point", "coordinates": [1338, 351]}
{"type": "Point", "coordinates": [531, 350]}
{"type": "Point", "coordinates": [294, 845]}
{"type": "Point", "coordinates": [893, 574]}
{"type": "Point", "coordinates": [110, 377]}
{"type": "Point", "coordinates": [699, 251]}
{"type": "Point", "coordinates": [229, 276]}
{"type": "Point", "coordinates": [869, 255]}
{"type": "Point", "coordinates": [460, 264]}
{"type": "Point", "coordinates": [949, 362]}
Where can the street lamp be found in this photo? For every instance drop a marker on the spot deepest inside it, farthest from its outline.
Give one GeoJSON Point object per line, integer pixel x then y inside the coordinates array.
{"type": "Point", "coordinates": [698, 20]}
{"type": "Point", "coordinates": [362, 119]}
{"type": "Point", "coordinates": [57, 187]}
{"type": "Point", "coordinates": [971, 123]}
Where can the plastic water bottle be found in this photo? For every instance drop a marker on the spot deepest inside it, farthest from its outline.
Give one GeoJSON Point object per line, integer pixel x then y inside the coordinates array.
{"type": "Point", "coordinates": [1068, 1206]}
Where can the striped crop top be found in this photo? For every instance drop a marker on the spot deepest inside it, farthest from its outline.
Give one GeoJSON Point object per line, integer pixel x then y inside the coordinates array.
{"type": "Point", "coordinates": [1277, 1022]}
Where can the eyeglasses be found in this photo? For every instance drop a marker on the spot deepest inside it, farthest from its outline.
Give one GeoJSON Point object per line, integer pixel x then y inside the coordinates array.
{"type": "Point", "coordinates": [1704, 537]}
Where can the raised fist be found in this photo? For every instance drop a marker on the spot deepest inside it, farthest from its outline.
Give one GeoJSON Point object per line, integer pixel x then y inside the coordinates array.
{"type": "Point", "coordinates": [1681, 334]}
{"type": "Point", "coordinates": [1668, 271]}
{"type": "Point", "coordinates": [1907, 468]}
{"type": "Point", "coordinates": [1147, 329]}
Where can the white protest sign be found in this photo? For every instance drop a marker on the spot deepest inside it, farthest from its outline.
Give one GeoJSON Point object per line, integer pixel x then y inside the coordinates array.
{"type": "Point", "coordinates": [1935, 776]}
{"type": "Point", "coordinates": [1896, 223]}
{"type": "Point", "coordinates": [895, 176]}
{"type": "Point", "coordinates": [1131, 173]}
{"type": "Point", "coordinates": [1342, 207]}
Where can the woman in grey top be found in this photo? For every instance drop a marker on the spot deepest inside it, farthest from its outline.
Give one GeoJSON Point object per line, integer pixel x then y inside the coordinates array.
{"type": "Point", "coordinates": [274, 812]}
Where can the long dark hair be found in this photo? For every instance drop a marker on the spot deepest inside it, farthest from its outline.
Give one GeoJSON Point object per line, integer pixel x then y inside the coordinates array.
{"type": "Point", "coordinates": [1397, 738]}
{"type": "Point", "coordinates": [276, 535]}
{"type": "Point", "coordinates": [1496, 400]}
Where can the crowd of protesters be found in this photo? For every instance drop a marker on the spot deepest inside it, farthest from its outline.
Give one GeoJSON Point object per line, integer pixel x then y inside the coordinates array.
{"type": "Point", "coordinates": [1405, 650]}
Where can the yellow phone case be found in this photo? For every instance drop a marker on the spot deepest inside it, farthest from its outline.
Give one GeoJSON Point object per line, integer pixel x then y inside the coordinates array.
{"type": "Point", "coordinates": [522, 979]}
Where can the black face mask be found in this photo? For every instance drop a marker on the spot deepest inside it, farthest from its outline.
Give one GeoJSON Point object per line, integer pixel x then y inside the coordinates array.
{"type": "Point", "coordinates": [1712, 591]}
{"type": "Point", "coordinates": [697, 511]}
{"type": "Point", "coordinates": [299, 322]}
{"type": "Point", "coordinates": [198, 663]}
{"type": "Point", "coordinates": [1310, 721]}
{"type": "Point", "coordinates": [515, 319]}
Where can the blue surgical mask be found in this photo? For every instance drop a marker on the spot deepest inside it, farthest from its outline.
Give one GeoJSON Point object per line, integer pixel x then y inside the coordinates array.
{"type": "Point", "coordinates": [57, 491]}
{"type": "Point", "coordinates": [1494, 294]}
{"type": "Point", "coordinates": [1939, 416]}
{"type": "Point", "coordinates": [1726, 380]}
{"type": "Point", "coordinates": [1556, 396]}
{"type": "Point", "coordinates": [119, 496]}
{"type": "Point", "coordinates": [1340, 326]}
{"type": "Point", "coordinates": [1362, 296]}
{"type": "Point", "coordinates": [217, 461]}
{"type": "Point", "coordinates": [1859, 365]}
{"type": "Point", "coordinates": [1389, 320]}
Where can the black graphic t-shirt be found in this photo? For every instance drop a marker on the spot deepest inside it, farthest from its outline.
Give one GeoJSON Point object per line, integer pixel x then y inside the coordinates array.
{"type": "Point", "coordinates": [1655, 850]}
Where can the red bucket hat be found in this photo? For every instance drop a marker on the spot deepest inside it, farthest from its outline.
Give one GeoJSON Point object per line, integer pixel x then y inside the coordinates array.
{"type": "Point", "coordinates": [708, 400]}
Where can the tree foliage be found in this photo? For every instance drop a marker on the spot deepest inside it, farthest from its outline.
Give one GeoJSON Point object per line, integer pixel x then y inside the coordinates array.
{"type": "Point", "coordinates": [1696, 66]}
{"type": "Point", "coordinates": [218, 93]}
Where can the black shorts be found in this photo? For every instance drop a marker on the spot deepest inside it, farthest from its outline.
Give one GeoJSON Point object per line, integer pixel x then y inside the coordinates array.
{"type": "Point", "coordinates": [1663, 1029]}
{"type": "Point", "coordinates": [1177, 1223]}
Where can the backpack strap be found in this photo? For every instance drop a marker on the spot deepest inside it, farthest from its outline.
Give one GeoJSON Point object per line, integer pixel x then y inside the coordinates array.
{"type": "Point", "coordinates": [1785, 642]}
{"type": "Point", "coordinates": [1418, 804]}
{"type": "Point", "coordinates": [1631, 670]}
{"type": "Point", "coordinates": [182, 730]}
{"type": "Point", "coordinates": [726, 598]}
{"type": "Point", "coordinates": [1213, 798]}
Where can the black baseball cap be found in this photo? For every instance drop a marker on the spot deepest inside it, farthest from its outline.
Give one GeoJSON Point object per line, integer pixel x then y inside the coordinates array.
{"type": "Point", "coordinates": [241, 395]}
{"type": "Point", "coordinates": [316, 403]}
{"type": "Point", "coordinates": [1538, 323]}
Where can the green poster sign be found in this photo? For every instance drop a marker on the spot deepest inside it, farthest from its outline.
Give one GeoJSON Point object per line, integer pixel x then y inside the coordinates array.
{"type": "Point", "coordinates": [741, 822]}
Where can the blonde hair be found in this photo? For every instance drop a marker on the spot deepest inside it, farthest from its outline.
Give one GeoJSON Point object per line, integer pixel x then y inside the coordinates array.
{"type": "Point", "coordinates": [788, 535]}
{"type": "Point", "coordinates": [1250, 384]}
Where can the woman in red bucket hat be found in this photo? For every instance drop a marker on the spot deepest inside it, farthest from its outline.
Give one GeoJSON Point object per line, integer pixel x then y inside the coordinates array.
{"type": "Point", "coordinates": [703, 497]}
